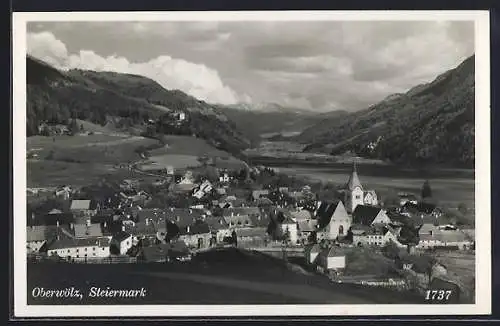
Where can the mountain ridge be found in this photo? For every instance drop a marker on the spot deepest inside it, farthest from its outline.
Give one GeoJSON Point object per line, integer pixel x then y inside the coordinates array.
{"type": "Point", "coordinates": [432, 123]}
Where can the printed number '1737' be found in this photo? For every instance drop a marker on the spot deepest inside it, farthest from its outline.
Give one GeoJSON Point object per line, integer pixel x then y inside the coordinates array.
{"type": "Point", "coordinates": [437, 295]}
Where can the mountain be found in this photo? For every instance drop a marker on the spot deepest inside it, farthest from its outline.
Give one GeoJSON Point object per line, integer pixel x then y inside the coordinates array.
{"type": "Point", "coordinates": [432, 123]}
{"type": "Point", "coordinates": [100, 97]}
{"type": "Point", "coordinates": [256, 123]}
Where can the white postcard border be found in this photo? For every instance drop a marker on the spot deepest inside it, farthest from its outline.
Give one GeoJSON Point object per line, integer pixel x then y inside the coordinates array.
{"type": "Point", "coordinates": [482, 181]}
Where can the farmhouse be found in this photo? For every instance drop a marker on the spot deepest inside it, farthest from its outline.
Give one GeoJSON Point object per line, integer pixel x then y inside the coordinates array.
{"type": "Point", "coordinates": [355, 195]}
{"type": "Point", "coordinates": [219, 228]}
{"type": "Point", "coordinates": [255, 236]}
{"type": "Point", "coordinates": [306, 228]}
{"type": "Point", "coordinates": [333, 220]}
{"type": "Point", "coordinates": [375, 235]}
{"type": "Point", "coordinates": [455, 239]}
{"type": "Point", "coordinates": [331, 259]}
{"type": "Point", "coordinates": [80, 248]}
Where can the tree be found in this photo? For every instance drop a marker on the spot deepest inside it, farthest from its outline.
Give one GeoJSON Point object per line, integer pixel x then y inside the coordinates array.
{"type": "Point", "coordinates": [391, 250]}
{"type": "Point", "coordinates": [234, 238]}
{"type": "Point", "coordinates": [462, 208]}
{"type": "Point", "coordinates": [172, 231]}
{"type": "Point", "coordinates": [426, 190]}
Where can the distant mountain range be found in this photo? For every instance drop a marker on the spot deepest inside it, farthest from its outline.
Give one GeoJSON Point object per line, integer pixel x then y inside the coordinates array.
{"type": "Point", "coordinates": [100, 97]}
{"type": "Point", "coordinates": [432, 123]}
{"type": "Point", "coordinates": [265, 120]}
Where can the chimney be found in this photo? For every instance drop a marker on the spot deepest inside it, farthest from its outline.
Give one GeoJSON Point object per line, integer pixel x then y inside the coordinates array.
{"type": "Point", "coordinates": [171, 209]}
{"type": "Point", "coordinates": [72, 226]}
{"type": "Point", "coordinates": [57, 223]}
{"type": "Point", "coordinates": [188, 229]}
{"type": "Point", "coordinates": [88, 222]}
{"type": "Point", "coordinates": [123, 228]}
{"type": "Point", "coordinates": [105, 224]}
{"type": "Point", "coordinates": [32, 216]}
{"type": "Point", "coordinates": [147, 221]}
{"type": "Point", "coordinates": [232, 214]}
{"type": "Point", "coordinates": [177, 218]}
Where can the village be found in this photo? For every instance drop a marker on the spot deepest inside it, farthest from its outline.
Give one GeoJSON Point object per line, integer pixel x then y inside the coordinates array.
{"type": "Point", "coordinates": [348, 234]}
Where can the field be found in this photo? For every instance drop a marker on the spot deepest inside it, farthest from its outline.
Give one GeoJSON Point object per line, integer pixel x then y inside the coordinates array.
{"type": "Point", "coordinates": [184, 151]}
{"type": "Point", "coordinates": [460, 266]}
{"type": "Point", "coordinates": [449, 187]}
{"type": "Point", "coordinates": [80, 160]}
{"type": "Point", "coordinates": [227, 277]}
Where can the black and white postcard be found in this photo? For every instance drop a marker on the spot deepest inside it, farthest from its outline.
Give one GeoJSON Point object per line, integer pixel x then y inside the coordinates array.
{"type": "Point", "coordinates": [325, 163]}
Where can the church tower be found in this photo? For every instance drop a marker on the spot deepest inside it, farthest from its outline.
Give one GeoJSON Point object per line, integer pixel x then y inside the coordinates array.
{"type": "Point", "coordinates": [354, 194]}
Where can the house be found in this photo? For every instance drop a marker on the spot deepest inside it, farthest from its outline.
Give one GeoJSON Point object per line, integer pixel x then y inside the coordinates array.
{"type": "Point", "coordinates": [219, 228]}
{"type": "Point", "coordinates": [255, 236]}
{"type": "Point", "coordinates": [369, 215]}
{"type": "Point", "coordinates": [407, 198]}
{"type": "Point", "coordinates": [306, 228]}
{"type": "Point", "coordinates": [197, 235]}
{"type": "Point", "coordinates": [454, 239]}
{"type": "Point", "coordinates": [88, 230]}
{"type": "Point", "coordinates": [421, 209]}
{"type": "Point", "coordinates": [120, 243]}
{"type": "Point", "coordinates": [301, 215]}
{"type": "Point", "coordinates": [187, 178]}
{"type": "Point", "coordinates": [333, 220]}
{"type": "Point", "coordinates": [224, 177]}
{"type": "Point", "coordinates": [38, 236]}
{"type": "Point", "coordinates": [289, 226]}
{"type": "Point", "coordinates": [331, 259]}
{"type": "Point", "coordinates": [203, 189]}
{"type": "Point", "coordinates": [311, 253]}
{"type": "Point", "coordinates": [85, 207]}
{"type": "Point", "coordinates": [355, 195]}
{"type": "Point", "coordinates": [238, 221]}
{"type": "Point", "coordinates": [80, 248]}
{"type": "Point", "coordinates": [374, 235]}
{"type": "Point", "coordinates": [63, 192]}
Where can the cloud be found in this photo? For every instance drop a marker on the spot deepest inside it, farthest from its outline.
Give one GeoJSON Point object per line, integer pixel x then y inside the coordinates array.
{"type": "Point", "coordinates": [195, 79]}
{"type": "Point", "coordinates": [320, 65]}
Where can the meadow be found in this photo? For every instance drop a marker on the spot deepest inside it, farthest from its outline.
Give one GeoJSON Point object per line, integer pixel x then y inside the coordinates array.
{"type": "Point", "coordinates": [228, 277]}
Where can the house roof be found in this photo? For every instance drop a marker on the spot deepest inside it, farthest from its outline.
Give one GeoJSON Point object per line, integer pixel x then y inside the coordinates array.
{"type": "Point", "coordinates": [216, 223]}
{"type": "Point", "coordinates": [74, 243]}
{"type": "Point", "coordinates": [52, 219]}
{"type": "Point", "coordinates": [198, 227]}
{"type": "Point", "coordinates": [41, 232]}
{"type": "Point", "coordinates": [353, 181]}
{"type": "Point", "coordinates": [301, 215]}
{"type": "Point", "coordinates": [329, 210]}
{"type": "Point", "coordinates": [364, 214]}
{"type": "Point", "coordinates": [54, 211]}
{"type": "Point", "coordinates": [307, 225]}
{"type": "Point", "coordinates": [80, 204]}
{"type": "Point", "coordinates": [120, 236]}
{"type": "Point", "coordinates": [259, 221]}
{"type": "Point", "coordinates": [241, 211]}
{"type": "Point", "coordinates": [251, 232]}
{"type": "Point", "coordinates": [331, 252]}
{"type": "Point", "coordinates": [86, 231]}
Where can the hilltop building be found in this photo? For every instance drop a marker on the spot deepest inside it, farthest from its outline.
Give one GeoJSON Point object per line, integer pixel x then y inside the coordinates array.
{"type": "Point", "coordinates": [355, 194]}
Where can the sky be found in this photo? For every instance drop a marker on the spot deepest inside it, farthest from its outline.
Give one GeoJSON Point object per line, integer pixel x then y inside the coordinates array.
{"type": "Point", "coordinates": [313, 65]}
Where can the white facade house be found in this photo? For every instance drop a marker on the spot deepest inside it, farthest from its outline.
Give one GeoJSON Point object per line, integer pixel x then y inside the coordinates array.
{"type": "Point", "coordinates": [330, 259]}
{"type": "Point", "coordinates": [376, 237]}
{"type": "Point", "coordinates": [288, 225]}
{"type": "Point", "coordinates": [80, 248]}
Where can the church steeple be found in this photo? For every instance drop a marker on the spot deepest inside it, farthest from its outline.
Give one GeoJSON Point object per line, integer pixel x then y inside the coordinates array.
{"type": "Point", "coordinates": [354, 179]}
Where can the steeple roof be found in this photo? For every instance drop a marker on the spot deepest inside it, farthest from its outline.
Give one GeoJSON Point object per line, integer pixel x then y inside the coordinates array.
{"type": "Point", "coordinates": [354, 179]}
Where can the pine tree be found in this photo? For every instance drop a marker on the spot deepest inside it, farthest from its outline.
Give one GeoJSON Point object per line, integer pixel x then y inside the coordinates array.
{"type": "Point", "coordinates": [426, 190]}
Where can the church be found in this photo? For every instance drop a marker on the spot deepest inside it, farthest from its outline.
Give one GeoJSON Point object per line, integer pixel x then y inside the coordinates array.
{"type": "Point", "coordinates": [355, 194]}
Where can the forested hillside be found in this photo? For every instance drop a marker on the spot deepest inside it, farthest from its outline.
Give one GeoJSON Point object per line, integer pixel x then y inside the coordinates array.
{"type": "Point", "coordinates": [430, 124]}
{"type": "Point", "coordinates": [100, 97]}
